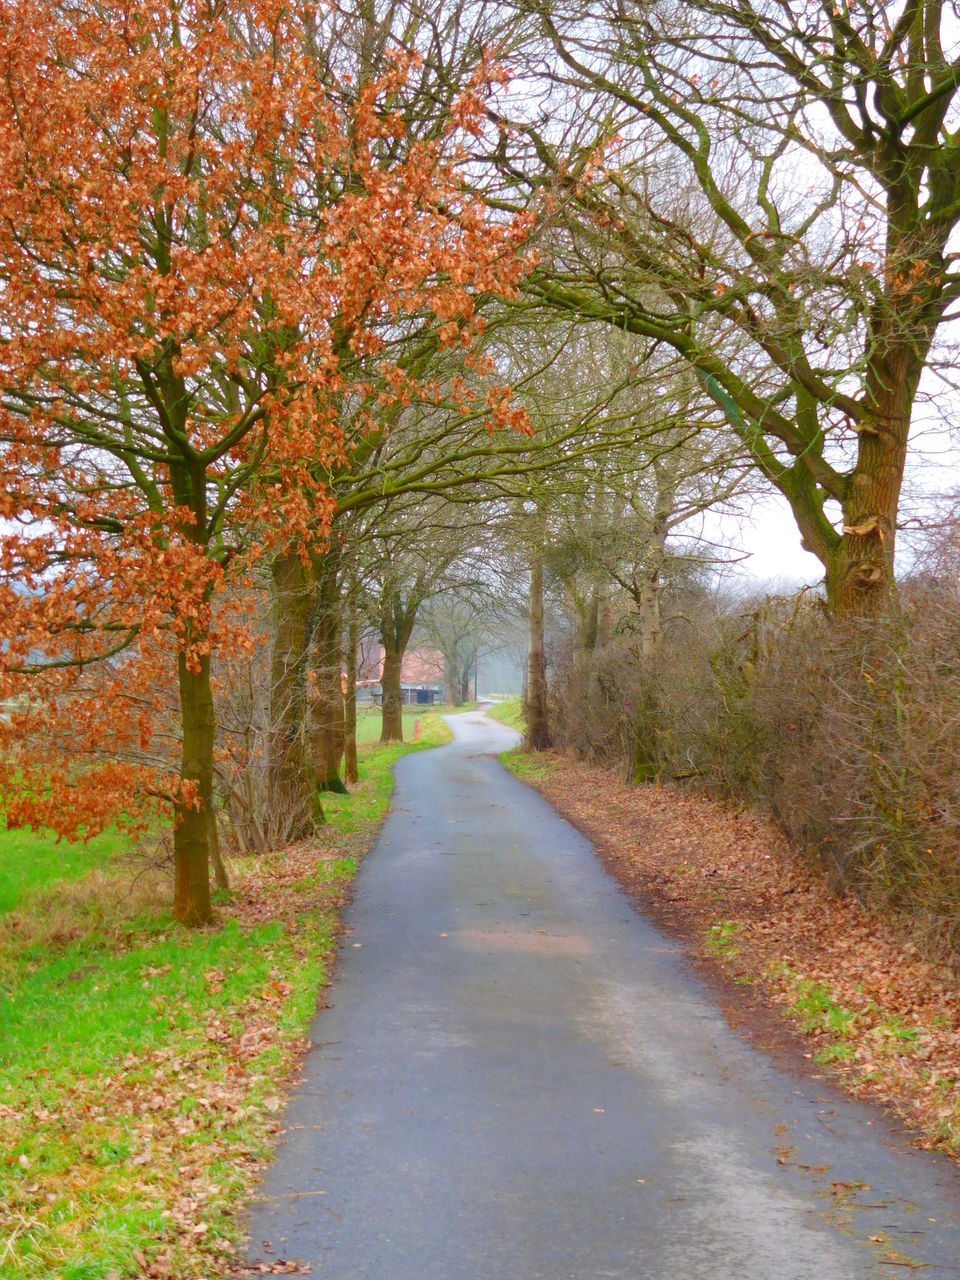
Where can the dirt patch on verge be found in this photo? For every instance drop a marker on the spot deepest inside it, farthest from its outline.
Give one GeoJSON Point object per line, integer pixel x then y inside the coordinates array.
{"type": "Point", "coordinates": [795, 964]}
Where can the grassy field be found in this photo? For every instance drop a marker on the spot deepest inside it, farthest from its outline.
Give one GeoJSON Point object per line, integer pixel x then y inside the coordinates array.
{"type": "Point", "coordinates": [29, 861]}
{"type": "Point", "coordinates": [142, 1067]}
{"type": "Point", "coordinates": [369, 719]}
{"type": "Point", "coordinates": [510, 713]}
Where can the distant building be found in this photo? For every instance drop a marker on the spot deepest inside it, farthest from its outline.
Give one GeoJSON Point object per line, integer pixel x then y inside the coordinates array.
{"type": "Point", "coordinates": [421, 677]}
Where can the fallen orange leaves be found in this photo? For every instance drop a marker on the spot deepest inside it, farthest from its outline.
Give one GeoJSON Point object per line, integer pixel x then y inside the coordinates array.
{"type": "Point", "coordinates": [196, 1116]}
{"type": "Point", "coordinates": [698, 866]}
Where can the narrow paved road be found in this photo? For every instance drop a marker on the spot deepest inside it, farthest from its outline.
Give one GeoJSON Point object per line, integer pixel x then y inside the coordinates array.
{"type": "Point", "coordinates": [521, 1079]}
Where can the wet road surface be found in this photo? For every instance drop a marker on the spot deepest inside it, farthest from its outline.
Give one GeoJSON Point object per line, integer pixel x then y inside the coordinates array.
{"type": "Point", "coordinates": [522, 1079]}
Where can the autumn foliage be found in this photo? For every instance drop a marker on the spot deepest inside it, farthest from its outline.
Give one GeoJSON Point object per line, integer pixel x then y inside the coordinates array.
{"type": "Point", "coordinates": [206, 251]}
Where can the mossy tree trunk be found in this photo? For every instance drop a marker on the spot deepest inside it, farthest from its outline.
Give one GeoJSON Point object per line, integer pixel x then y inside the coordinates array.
{"type": "Point", "coordinates": [194, 805]}
{"type": "Point", "coordinates": [351, 772]}
{"type": "Point", "coordinates": [603, 614]}
{"type": "Point", "coordinates": [465, 678]}
{"type": "Point", "coordinates": [326, 727]}
{"type": "Point", "coordinates": [391, 729]}
{"type": "Point", "coordinates": [536, 710]}
{"type": "Point", "coordinates": [452, 676]}
{"type": "Point", "coordinates": [397, 618]}
{"type": "Point", "coordinates": [860, 566]}
{"type": "Point", "coordinates": [290, 777]}
{"type": "Point", "coordinates": [649, 585]}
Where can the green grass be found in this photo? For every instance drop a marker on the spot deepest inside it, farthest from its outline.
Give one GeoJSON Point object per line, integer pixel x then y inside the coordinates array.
{"type": "Point", "coordinates": [87, 1025]}
{"type": "Point", "coordinates": [123, 1079]}
{"type": "Point", "coordinates": [510, 713]}
{"type": "Point", "coordinates": [837, 1052]}
{"type": "Point", "coordinates": [369, 719]}
{"type": "Point", "coordinates": [526, 765]}
{"type": "Point", "coordinates": [30, 861]}
{"type": "Point", "coordinates": [818, 1011]}
{"type": "Point", "coordinates": [352, 812]}
{"type": "Point", "coordinates": [721, 938]}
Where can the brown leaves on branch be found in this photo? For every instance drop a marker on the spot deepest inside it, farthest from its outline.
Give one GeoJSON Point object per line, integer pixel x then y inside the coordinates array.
{"type": "Point", "coordinates": [204, 255]}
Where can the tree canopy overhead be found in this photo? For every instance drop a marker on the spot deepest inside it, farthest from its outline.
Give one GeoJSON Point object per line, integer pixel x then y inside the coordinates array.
{"type": "Point", "coordinates": [772, 190]}
{"type": "Point", "coordinates": [204, 252]}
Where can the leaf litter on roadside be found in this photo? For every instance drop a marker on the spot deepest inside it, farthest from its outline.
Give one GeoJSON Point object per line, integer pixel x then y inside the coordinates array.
{"type": "Point", "coordinates": [185, 1123]}
{"type": "Point", "coordinates": [878, 1016]}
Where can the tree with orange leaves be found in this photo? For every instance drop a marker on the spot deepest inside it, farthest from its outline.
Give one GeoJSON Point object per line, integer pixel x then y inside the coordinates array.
{"type": "Point", "coordinates": [200, 250]}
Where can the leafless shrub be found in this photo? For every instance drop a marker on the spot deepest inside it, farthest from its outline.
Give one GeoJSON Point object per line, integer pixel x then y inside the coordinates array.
{"type": "Point", "coordinates": [591, 700]}
{"type": "Point", "coordinates": [850, 735]}
{"type": "Point", "coordinates": [259, 815]}
{"type": "Point", "coordinates": [860, 755]}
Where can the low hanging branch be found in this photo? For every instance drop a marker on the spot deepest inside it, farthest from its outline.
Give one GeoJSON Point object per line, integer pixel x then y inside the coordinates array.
{"type": "Point", "coordinates": [779, 207]}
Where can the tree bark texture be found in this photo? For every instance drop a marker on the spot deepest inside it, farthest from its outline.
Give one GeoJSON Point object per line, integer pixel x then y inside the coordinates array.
{"type": "Point", "coordinates": [589, 622]}
{"type": "Point", "coordinates": [396, 628]}
{"type": "Point", "coordinates": [860, 581]}
{"type": "Point", "coordinates": [538, 724]}
{"type": "Point", "coordinates": [649, 587]}
{"type": "Point", "coordinates": [452, 677]}
{"type": "Point", "coordinates": [351, 772]}
{"type": "Point", "coordinates": [221, 879]}
{"type": "Point", "coordinates": [392, 701]}
{"type": "Point", "coordinates": [326, 729]}
{"type": "Point", "coordinates": [291, 782]}
{"type": "Point", "coordinates": [603, 615]}
{"type": "Point", "coordinates": [647, 593]}
{"type": "Point", "coordinates": [191, 845]}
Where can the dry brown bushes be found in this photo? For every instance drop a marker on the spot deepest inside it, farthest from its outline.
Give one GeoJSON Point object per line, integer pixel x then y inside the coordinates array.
{"type": "Point", "coordinates": [850, 735]}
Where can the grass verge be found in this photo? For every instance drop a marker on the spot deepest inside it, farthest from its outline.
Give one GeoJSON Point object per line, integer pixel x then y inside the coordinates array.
{"type": "Point", "coordinates": [29, 861]}
{"type": "Point", "coordinates": [509, 712]}
{"type": "Point", "coordinates": [142, 1066]}
{"type": "Point", "coordinates": [370, 719]}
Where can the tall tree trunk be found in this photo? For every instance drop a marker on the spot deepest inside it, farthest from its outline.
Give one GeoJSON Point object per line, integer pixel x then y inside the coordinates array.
{"type": "Point", "coordinates": [859, 562]}
{"type": "Point", "coordinates": [191, 845]}
{"type": "Point", "coordinates": [326, 712]}
{"type": "Point", "coordinates": [648, 591]}
{"type": "Point", "coordinates": [452, 677]}
{"type": "Point", "coordinates": [591, 621]}
{"type": "Point", "coordinates": [396, 627]}
{"type": "Point", "coordinates": [603, 615]}
{"type": "Point", "coordinates": [653, 560]}
{"type": "Point", "coordinates": [291, 782]}
{"type": "Point", "coordinates": [221, 879]}
{"type": "Point", "coordinates": [538, 724]}
{"type": "Point", "coordinates": [647, 718]}
{"type": "Point", "coordinates": [351, 773]}
{"type": "Point", "coordinates": [860, 580]}
{"type": "Point", "coordinates": [649, 607]}
{"type": "Point", "coordinates": [392, 700]}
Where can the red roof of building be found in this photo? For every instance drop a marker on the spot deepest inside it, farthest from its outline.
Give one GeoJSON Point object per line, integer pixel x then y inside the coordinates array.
{"type": "Point", "coordinates": [420, 666]}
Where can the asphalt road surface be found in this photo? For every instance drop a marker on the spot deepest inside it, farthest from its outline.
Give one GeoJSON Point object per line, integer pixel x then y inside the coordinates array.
{"type": "Point", "coordinates": [522, 1079]}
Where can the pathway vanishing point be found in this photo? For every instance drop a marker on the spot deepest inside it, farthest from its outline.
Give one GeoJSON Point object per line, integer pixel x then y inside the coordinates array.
{"type": "Point", "coordinates": [522, 1079]}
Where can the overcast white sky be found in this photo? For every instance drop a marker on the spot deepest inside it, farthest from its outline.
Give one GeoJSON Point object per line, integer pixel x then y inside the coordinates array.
{"type": "Point", "coordinates": [771, 540]}
{"type": "Point", "coordinates": [768, 538]}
